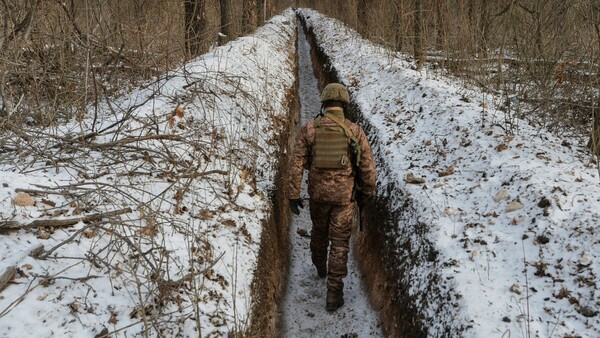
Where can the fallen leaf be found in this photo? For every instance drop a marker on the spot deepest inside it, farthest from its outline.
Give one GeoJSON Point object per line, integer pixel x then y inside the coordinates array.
{"type": "Point", "coordinates": [150, 229]}
{"type": "Point", "coordinates": [514, 206]}
{"type": "Point", "coordinates": [303, 232]}
{"type": "Point", "coordinates": [501, 147]}
{"type": "Point", "coordinates": [411, 178]}
{"type": "Point", "coordinates": [89, 233]}
{"type": "Point", "coordinates": [23, 199]}
{"type": "Point", "coordinates": [48, 202]}
{"type": "Point", "coordinates": [113, 319]}
{"type": "Point", "coordinates": [501, 195]}
{"type": "Point", "coordinates": [516, 288]}
{"type": "Point", "coordinates": [585, 259]}
{"type": "Point", "coordinates": [42, 233]}
{"type": "Point", "coordinates": [449, 171]}
{"type": "Point", "coordinates": [229, 222]}
{"type": "Point", "coordinates": [449, 211]}
{"type": "Point", "coordinates": [178, 112]}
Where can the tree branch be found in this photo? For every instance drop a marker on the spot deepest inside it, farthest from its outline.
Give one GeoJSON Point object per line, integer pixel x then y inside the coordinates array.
{"type": "Point", "coordinates": [12, 225]}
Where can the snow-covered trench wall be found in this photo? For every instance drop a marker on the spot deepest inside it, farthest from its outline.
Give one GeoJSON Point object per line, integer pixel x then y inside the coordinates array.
{"type": "Point", "coordinates": [396, 255]}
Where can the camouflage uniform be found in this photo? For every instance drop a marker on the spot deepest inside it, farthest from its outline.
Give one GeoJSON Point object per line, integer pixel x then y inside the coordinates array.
{"type": "Point", "coordinates": [331, 204]}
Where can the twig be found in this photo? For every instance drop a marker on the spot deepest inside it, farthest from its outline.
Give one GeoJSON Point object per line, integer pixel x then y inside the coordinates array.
{"type": "Point", "coordinates": [526, 291]}
{"type": "Point", "coordinates": [47, 253]}
{"type": "Point", "coordinates": [76, 279]}
{"type": "Point", "coordinates": [6, 276]}
{"type": "Point", "coordinates": [36, 192]}
{"type": "Point", "coordinates": [128, 140]}
{"type": "Point", "coordinates": [17, 301]}
{"type": "Point", "coordinates": [12, 225]}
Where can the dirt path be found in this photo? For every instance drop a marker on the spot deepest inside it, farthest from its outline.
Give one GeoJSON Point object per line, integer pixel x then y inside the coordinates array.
{"type": "Point", "coordinates": [304, 313]}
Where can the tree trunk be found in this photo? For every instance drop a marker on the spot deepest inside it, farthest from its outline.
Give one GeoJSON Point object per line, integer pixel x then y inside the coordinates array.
{"type": "Point", "coordinates": [398, 24]}
{"type": "Point", "coordinates": [22, 27]}
{"type": "Point", "coordinates": [260, 11]}
{"type": "Point", "coordinates": [249, 16]}
{"type": "Point", "coordinates": [362, 17]}
{"type": "Point", "coordinates": [484, 23]}
{"type": "Point", "coordinates": [594, 143]}
{"type": "Point", "coordinates": [440, 16]}
{"type": "Point", "coordinates": [419, 32]}
{"type": "Point", "coordinates": [538, 33]}
{"type": "Point", "coordinates": [226, 22]}
{"type": "Point", "coordinates": [268, 9]}
{"type": "Point", "coordinates": [195, 26]}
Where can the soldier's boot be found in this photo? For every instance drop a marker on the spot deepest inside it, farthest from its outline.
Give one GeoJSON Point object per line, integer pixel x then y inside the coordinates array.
{"type": "Point", "coordinates": [335, 299]}
{"type": "Point", "coordinates": [322, 271]}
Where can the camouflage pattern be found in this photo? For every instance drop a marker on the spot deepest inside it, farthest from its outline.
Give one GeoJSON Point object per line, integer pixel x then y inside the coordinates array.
{"type": "Point", "coordinates": [335, 92]}
{"type": "Point", "coordinates": [331, 223]}
{"type": "Point", "coordinates": [333, 186]}
{"type": "Point", "coordinates": [331, 204]}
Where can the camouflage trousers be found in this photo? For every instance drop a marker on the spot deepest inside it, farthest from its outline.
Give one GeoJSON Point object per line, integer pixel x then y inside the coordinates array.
{"type": "Point", "coordinates": [331, 224]}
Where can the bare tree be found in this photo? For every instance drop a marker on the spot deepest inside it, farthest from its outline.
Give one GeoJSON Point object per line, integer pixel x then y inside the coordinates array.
{"type": "Point", "coordinates": [260, 11]}
{"type": "Point", "coordinates": [419, 40]}
{"type": "Point", "coordinates": [17, 22]}
{"type": "Point", "coordinates": [195, 26]}
{"type": "Point", "coordinates": [440, 23]}
{"type": "Point", "coordinates": [594, 142]}
{"type": "Point", "coordinates": [249, 16]}
{"type": "Point", "coordinates": [397, 24]}
{"type": "Point", "coordinates": [21, 27]}
{"type": "Point", "coordinates": [227, 31]}
{"type": "Point", "coordinates": [362, 17]}
{"type": "Point", "coordinates": [484, 26]}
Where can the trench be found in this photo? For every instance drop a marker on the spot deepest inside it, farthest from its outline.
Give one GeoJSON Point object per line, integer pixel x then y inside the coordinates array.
{"type": "Point", "coordinates": [303, 306]}
{"type": "Point", "coordinates": [289, 297]}
{"type": "Point", "coordinates": [382, 256]}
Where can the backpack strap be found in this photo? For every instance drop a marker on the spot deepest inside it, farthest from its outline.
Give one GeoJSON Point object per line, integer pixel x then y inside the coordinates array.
{"type": "Point", "coordinates": [317, 122]}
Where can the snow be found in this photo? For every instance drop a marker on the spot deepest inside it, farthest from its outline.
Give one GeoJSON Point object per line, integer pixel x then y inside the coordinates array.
{"type": "Point", "coordinates": [182, 261]}
{"type": "Point", "coordinates": [192, 156]}
{"type": "Point", "coordinates": [455, 138]}
{"type": "Point", "coordinates": [303, 306]}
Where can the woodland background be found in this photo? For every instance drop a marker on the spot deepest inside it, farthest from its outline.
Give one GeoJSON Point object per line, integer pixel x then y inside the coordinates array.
{"type": "Point", "coordinates": [59, 57]}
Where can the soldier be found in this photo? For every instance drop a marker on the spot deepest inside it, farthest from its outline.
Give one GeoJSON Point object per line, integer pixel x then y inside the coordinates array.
{"type": "Point", "coordinates": [341, 175]}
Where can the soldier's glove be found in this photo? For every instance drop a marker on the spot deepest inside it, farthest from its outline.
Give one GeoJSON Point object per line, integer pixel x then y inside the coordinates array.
{"type": "Point", "coordinates": [361, 200]}
{"type": "Point", "coordinates": [294, 204]}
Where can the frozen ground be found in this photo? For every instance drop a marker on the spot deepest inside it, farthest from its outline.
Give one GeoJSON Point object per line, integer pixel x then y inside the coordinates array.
{"type": "Point", "coordinates": [304, 313]}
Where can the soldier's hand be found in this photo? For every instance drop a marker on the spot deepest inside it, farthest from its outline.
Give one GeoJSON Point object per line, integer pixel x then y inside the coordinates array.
{"type": "Point", "coordinates": [294, 204]}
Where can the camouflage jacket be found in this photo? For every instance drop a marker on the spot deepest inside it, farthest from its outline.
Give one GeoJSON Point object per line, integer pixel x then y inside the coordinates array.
{"type": "Point", "coordinates": [333, 186]}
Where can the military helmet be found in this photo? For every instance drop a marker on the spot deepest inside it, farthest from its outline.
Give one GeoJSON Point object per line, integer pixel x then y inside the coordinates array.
{"type": "Point", "coordinates": [335, 92]}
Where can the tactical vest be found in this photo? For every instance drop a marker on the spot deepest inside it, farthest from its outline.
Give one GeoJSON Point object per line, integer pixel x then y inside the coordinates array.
{"type": "Point", "coordinates": [332, 145]}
